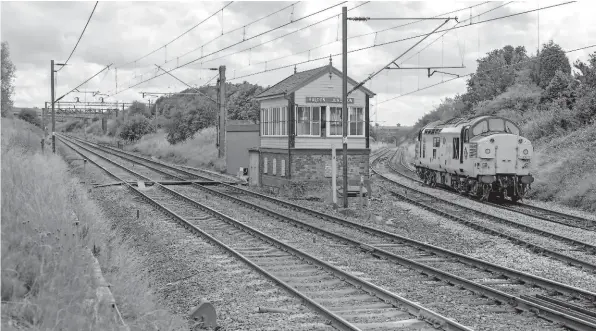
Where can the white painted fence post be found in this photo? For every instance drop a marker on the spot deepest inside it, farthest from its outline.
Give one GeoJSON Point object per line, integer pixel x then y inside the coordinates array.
{"type": "Point", "coordinates": [333, 174]}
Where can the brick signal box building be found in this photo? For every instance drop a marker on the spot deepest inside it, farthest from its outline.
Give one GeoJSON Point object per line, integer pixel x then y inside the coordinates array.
{"type": "Point", "coordinates": [301, 121]}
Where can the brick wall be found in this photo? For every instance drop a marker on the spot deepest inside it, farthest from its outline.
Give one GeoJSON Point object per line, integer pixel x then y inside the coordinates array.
{"type": "Point", "coordinates": [281, 159]}
{"type": "Point", "coordinates": [311, 166]}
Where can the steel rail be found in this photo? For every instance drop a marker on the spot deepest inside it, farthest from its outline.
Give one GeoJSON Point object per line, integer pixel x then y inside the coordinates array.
{"type": "Point", "coordinates": [535, 248]}
{"type": "Point", "coordinates": [511, 273]}
{"type": "Point", "coordinates": [587, 246]}
{"type": "Point", "coordinates": [582, 223]}
{"type": "Point", "coordinates": [424, 314]}
{"type": "Point", "coordinates": [521, 302]}
{"type": "Point", "coordinates": [576, 221]}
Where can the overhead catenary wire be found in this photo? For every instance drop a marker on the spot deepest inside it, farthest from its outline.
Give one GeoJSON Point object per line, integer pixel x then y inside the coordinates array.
{"type": "Point", "coordinates": [322, 45]}
{"type": "Point", "coordinates": [176, 38]}
{"type": "Point", "coordinates": [83, 83]}
{"type": "Point", "coordinates": [398, 40]}
{"type": "Point", "coordinates": [458, 23]}
{"type": "Point", "coordinates": [393, 61]}
{"type": "Point", "coordinates": [181, 81]}
{"type": "Point", "coordinates": [226, 33]}
{"type": "Point", "coordinates": [483, 71]}
{"type": "Point", "coordinates": [229, 46]}
{"type": "Point", "coordinates": [81, 36]}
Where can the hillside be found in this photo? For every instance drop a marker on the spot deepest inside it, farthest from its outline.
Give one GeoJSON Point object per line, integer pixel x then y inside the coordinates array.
{"type": "Point", "coordinates": [554, 105]}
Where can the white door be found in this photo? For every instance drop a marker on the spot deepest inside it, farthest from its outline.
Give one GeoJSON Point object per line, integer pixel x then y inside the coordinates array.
{"type": "Point", "coordinates": [253, 169]}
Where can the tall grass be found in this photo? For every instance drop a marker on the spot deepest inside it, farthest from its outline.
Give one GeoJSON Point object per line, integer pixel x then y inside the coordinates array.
{"type": "Point", "coordinates": [565, 169]}
{"type": "Point", "coordinates": [48, 229]}
{"type": "Point", "coordinates": [200, 151]}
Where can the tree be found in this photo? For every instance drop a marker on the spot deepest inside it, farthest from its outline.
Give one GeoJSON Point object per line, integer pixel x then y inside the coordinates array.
{"type": "Point", "coordinates": [494, 74]}
{"type": "Point", "coordinates": [587, 72]}
{"type": "Point", "coordinates": [551, 58]}
{"type": "Point", "coordinates": [135, 128]}
{"type": "Point", "coordinates": [184, 124]}
{"type": "Point", "coordinates": [558, 86]}
{"type": "Point", "coordinates": [138, 108]}
{"type": "Point", "coordinates": [29, 115]}
{"type": "Point", "coordinates": [398, 125]}
{"type": "Point", "coordinates": [8, 70]}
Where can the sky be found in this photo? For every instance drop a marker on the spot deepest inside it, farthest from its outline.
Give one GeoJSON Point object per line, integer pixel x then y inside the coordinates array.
{"type": "Point", "coordinates": [122, 33]}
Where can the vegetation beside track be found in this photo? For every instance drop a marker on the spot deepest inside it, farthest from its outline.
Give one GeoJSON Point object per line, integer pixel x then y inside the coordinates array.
{"type": "Point", "coordinates": [49, 231]}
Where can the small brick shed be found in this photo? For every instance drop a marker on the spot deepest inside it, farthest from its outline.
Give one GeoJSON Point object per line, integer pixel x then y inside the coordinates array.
{"type": "Point", "coordinates": [300, 122]}
{"type": "Point", "coordinates": [240, 136]}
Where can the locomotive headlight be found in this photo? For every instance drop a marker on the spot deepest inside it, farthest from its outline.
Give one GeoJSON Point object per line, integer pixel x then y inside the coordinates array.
{"type": "Point", "coordinates": [487, 151]}
{"type": "Point", "coordinates": [526, 151]}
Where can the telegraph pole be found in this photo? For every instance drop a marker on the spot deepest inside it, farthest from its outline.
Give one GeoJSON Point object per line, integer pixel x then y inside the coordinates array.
{"type": "Point", "coordinates": [222, 111]}
{"type": "Point", "coordinates": [344, 97]}
{"type": "Point", "coordinates": [53, 110]}
{"type": "Point", "coordinates": [43, 118]}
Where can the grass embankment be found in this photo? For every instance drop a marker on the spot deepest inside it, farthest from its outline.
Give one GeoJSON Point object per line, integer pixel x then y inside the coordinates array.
{"type": "Point", "coordinates": [49, 228]}
{"type": "Point", "coordinates": [200, 151]}
{"type": "Point", "coordinates": [565, 169]}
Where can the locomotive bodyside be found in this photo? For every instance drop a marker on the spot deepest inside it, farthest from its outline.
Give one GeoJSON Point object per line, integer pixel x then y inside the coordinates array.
{"type": "Point", "coordinates": [483, 156]}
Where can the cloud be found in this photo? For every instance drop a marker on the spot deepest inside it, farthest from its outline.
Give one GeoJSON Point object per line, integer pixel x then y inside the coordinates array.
{"type": "Point", "coordinates": [122, 32]}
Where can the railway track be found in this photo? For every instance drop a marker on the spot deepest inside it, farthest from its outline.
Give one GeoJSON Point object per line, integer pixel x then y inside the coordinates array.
{"type": "Point", "coordinates": [572, 307]}
{"type": "Point", "coordinates": [499, 226]}
{"type": "Point", "coordinates": [346, 301]}
{"type": "Point", "coordinates": [521, 208]}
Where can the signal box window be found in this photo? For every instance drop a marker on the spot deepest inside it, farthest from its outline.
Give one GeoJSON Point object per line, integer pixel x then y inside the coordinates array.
{"type": "Point", "coordinates": [436, 142]}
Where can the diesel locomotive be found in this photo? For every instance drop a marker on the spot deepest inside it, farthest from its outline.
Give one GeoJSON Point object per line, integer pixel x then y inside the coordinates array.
{"type": "Point", "coordinates": [484, 156]}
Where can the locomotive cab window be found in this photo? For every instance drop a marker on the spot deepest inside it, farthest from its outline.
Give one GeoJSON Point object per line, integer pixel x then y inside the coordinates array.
{"type": "Point", "coordinates": [511, 128]}
{"type": "Point", "coordinates": [436, 142]}
{"type": "Point", "coordinates": [456, 148]}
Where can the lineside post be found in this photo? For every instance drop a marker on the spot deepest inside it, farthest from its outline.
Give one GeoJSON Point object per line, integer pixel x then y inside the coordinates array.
{"type": "Point", "coordinates": [222, 111]}
{"type": "Point", "coordinates": [53, 110]}
{"type": "Point", "coordinates": [334, 175]}
{"type": "Point", "coordinates": [344, 97]}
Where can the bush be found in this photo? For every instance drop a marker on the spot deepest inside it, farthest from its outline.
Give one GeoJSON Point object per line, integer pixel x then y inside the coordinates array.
{"type": "Point", "coordinates": [135, 128]}
{"type": "Point", "coordinates": [30, 115]}
{"type": "Point", "coordinates": [183, 125]}
{"type": "Point", "coordinates": [554, 121]}
{"type": "Point", "coordinates": [71, 126]}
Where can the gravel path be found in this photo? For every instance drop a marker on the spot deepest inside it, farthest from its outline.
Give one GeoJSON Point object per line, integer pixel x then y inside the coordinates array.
{"type": "Point", "coordinates": [196, 269]}
{"type": "Point", "coordinates": [408, 283]}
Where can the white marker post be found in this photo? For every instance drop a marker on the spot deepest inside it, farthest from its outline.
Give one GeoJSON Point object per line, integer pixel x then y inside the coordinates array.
{"type": "Point", "coordinates": [333, 174]}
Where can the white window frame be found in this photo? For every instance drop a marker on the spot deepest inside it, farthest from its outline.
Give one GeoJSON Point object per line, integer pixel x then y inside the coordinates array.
{"type": "Point", "coordinates": [283, 168]}
{"type": "Point", "coordinates": [272, 122]}
{"type": "Point", "coordinates": [363, 122]}
{"type": "Point", "coordinates": [328, 124]}
{"type": "Point", "coordinates": [265, 165]}
{"type": "Point", "coordinates": [310, 121]}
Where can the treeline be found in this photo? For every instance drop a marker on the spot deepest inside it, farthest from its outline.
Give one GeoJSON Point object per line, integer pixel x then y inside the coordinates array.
{"type": "Point", "coordinates": [181, 115]}
{"type": "Point", "coordinates": [185, 114]}
{"type": "Point", "coordinates": [540, 92]}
